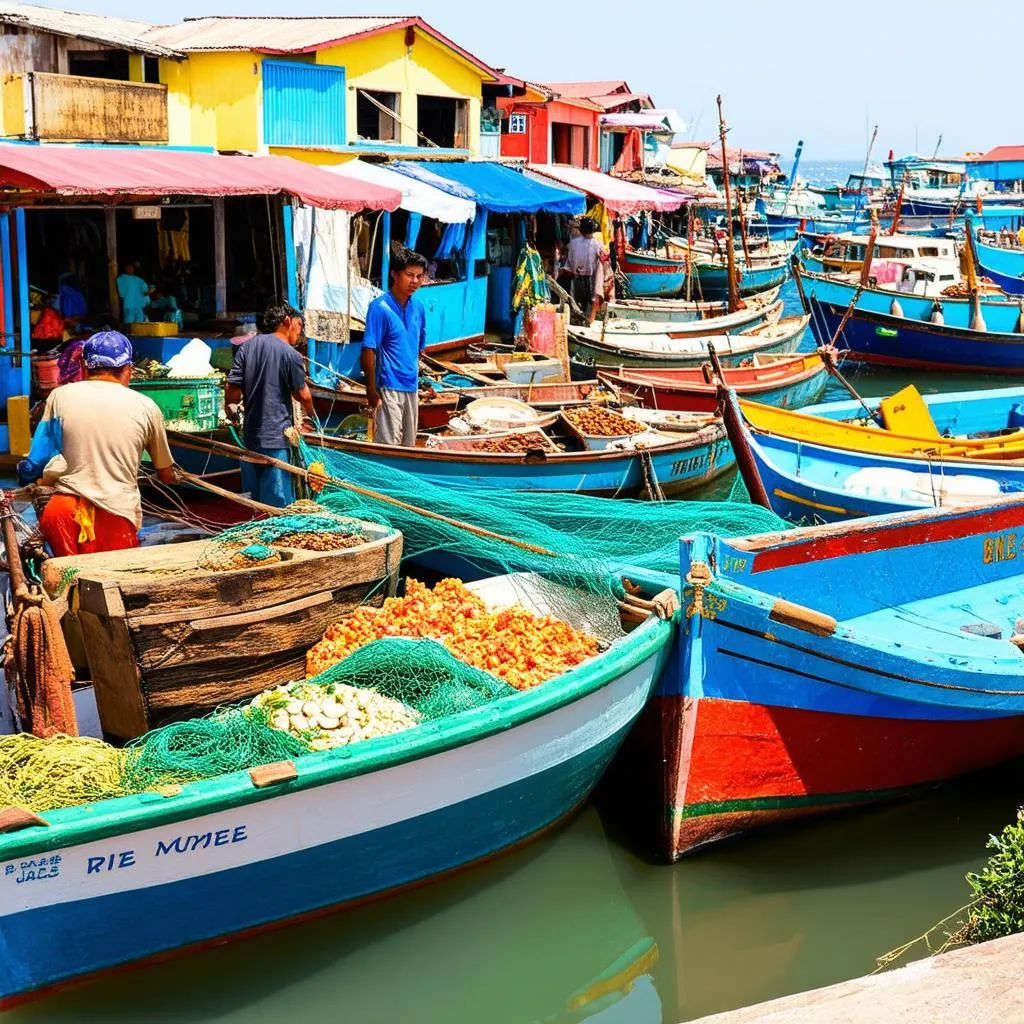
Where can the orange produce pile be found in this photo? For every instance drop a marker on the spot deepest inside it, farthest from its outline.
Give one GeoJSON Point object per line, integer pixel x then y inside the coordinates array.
{"type": "Point", "coordinates": [516, 645]}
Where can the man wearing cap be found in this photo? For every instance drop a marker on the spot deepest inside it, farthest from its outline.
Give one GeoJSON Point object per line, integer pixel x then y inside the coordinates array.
{"type": "Point", "coordinates": [99, 428]}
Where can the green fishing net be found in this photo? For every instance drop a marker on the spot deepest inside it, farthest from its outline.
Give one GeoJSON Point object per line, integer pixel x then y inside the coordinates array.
{"type": "Point", "coordinates": [587, 541]}
{"type": "Point", "coordinates": [421, 674]}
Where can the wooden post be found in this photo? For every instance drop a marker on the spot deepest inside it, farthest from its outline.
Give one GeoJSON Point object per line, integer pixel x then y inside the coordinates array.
{"type": "Point", "coordinates": [738, 437]}
{"type": "Point", "coordinates": [8, 278]}
{"type": "Point", "coordinates": [220, 262]}
{"type": "Point", "coordinates": [110, 222]}
{"type": "Point", "coordinates": [729, 249]}
{"type": "Point", "coordinates": [22, 354]}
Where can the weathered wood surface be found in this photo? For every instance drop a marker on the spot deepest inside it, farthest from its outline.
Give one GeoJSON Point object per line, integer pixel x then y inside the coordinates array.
{"type": "Point", "coordinates": [115, 675]}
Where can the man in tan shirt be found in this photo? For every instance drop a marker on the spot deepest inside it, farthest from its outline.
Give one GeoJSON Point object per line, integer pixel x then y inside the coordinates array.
{"type": "Point", "coordinates": [100, 427]}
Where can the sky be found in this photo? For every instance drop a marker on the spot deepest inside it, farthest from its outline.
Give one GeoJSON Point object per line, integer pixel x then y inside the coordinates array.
{"type": "Point", "coordinates": [823, 71]}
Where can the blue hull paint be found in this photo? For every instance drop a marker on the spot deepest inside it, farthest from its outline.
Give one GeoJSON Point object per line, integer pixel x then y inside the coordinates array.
{"type": "Point", "coordinates": [677, 470]}
{"type": "Point", "coordinates": [126, 927]}
{"type": "Point", "coordinates": [1004, 266]}
{"type": "Point", "coordinates": [714, 280]}
{"type": "Point", "coordinates": [886, 340]}
{"type": "Point", "coordinates": [660, 285]}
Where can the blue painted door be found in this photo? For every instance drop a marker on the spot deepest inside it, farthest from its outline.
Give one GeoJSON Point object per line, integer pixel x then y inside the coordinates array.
{"type": "Point", "coordinates": [303, 104]}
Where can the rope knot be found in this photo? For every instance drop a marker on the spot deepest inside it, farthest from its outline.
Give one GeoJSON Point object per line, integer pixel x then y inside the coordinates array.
{"type": "Point", "coordinates": [698, 577]}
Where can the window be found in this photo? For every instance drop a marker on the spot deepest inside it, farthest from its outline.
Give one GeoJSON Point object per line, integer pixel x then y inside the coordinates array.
{"type": "Point", "coordinates": [111, 64]}
{"type": "Point", "coordinates": [517, 124]}
{"type": "Point", "coordinates": [377, 115]}
{"type": "Point", "coordinates": [303, 104]}
{"type": "Point", "coordinates": [442, 121]}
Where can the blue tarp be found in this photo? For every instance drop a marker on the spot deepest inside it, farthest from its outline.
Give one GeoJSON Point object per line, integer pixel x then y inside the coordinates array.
{"type": "Point", "coordinates": [495, 187]}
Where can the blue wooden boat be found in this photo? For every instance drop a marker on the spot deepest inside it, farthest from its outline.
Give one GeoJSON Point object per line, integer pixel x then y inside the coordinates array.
{"type": "Point", "coordinates": [678, 462]}
{"type": "Point", "coordinates": [1004, 265]}
{"type": "Point", "coordinates": [146, 876]}
{"type": "Point", "coordinates": [756, 276]}
{"type": "Point", "coordinates": [896, 328]}
{"type": "Point", "coordinates": [833, 666]}
{"type": "Point", "coordinates": [806, 482]}
{"type": "Point", "coordinates": [651, 276]}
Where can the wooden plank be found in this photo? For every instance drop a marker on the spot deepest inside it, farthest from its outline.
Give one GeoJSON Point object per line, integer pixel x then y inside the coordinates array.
{"type": "Point", "coordinates": [262, 614]}
{"type": "Point", "coordinates": [273, 774]}
{"type": "Point", "coordinates": [115, 675]}
{"type": "Point", "coordinates": [101, 597]}
{"type": "Point", "coordinates": [250, 636]}
{"type": "Point", "coordinates": [13, 819]}
{"type": "Point", "coordinates": [168, 579]}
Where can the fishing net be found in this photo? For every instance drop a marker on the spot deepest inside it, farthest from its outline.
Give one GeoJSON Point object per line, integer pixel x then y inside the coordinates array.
{"type": "Point", "coordinates": [576, 539]}
{"type": "Point", "coordinates": [229, 740]}
{"type": "Point", "coordinates": [60, 771]}
{"type": "Point", "coordinates": [422, 674]}
{"type": "Point", "coordinates": [303, 524]}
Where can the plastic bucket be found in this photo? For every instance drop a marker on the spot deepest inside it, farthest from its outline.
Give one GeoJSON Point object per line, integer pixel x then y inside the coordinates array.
{"type": "Point", "coordinates": [45, 373]}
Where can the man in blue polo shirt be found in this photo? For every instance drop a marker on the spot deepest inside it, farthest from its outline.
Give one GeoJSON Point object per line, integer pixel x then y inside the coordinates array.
{"type": "Point", "coordinates": [394, 337]}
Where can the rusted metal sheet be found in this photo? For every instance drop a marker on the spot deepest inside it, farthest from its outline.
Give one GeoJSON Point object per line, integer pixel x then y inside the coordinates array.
{"type": "Point", "coordinates": [69, 108]}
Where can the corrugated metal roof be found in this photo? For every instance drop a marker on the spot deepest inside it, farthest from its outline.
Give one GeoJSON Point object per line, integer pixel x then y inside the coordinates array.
{"type": "Point", "coordinates": [96, 28]}
{"type": "Point", "coordinates": [271, 35]}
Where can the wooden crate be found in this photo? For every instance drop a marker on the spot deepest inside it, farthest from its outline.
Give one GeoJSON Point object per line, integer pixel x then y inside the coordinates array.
{"type": "Point", "coordinates": [167, 639]}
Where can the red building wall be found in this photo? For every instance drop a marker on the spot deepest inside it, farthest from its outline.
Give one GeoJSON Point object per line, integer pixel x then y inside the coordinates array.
{"type": "Point", "coordinates": [572, 130]}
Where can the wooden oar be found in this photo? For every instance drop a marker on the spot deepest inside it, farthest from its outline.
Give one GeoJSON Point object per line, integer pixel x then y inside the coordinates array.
{"type": "Point", "coordinates": [207, 444]}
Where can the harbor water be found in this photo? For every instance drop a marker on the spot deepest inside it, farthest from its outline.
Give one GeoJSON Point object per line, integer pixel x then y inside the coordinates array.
{"type": "Point", "coordinates": [585, 925]}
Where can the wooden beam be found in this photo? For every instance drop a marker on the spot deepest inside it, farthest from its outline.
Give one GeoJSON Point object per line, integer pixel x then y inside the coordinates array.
{"type": "Point", "coordinates": [110, 221]}
{"type": "Point", "coordinates": [220, 261]}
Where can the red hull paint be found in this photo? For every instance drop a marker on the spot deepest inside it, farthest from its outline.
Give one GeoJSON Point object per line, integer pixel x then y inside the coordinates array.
{"type": "Point", "coordinates": [432, 414]}
{"type": "Point", "coordinates": [732, 766]}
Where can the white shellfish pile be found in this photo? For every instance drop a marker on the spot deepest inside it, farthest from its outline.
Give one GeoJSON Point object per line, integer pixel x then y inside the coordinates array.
{"type": "Point", "coordinates": [334, 715]}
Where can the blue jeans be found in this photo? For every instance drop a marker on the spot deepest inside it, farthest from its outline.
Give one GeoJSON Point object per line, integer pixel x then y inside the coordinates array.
{"type": "Point", "coordinates": [269, 484]}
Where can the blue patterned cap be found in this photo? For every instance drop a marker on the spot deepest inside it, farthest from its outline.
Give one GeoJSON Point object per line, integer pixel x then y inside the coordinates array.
{"type": "Point", "coordinates": [107, 350]}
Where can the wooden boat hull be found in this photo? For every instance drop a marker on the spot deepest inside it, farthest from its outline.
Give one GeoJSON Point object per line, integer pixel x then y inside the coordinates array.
{"type": "Point", "coordinates": [775, 710]}
{"type": "Point", "coordinates": [732, 349]}
{"type": "Point", "coordinates": [683, 466]}
{"type": "Point", "coordinates": [540, 396]}
{"type": "Point", "coordinates": [144, 878]}
{"type": "Point", "coordinates": [788, 383]}
{"type": "Point", "coordinates": [728, 323]}
{"type": "Point", "coordinates": [683, 312]}
{"type": "Point", "coordinates": [881, 339]}
{"type": "Point", "coordinates": [652, 276]}
{"type": "Point", "coordinates": [714, 278]}
{"type": "Point", "coordinates": [333, 406]}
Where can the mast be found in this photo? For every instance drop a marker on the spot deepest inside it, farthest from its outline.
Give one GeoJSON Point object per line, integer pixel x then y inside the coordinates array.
{"type": "Point", "coordinates": [729, 250]}
{"type": "Point", "coordinates": [792, 174]}
{"type": "Point", "coordinates": [864, 174]}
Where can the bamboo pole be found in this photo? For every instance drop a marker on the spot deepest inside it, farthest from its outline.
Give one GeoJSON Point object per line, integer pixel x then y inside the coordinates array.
{"type": "Point", "coordinates": [192, 442]}
{"type": "Point", "coordinates": [729, 249]}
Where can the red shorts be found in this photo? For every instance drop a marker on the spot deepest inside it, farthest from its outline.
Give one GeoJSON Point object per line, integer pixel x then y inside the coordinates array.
{"type": "Point", "coordinates": [61, 529]}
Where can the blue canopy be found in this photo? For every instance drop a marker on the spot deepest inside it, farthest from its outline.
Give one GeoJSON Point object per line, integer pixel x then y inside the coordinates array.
{"type": "Point", "coordinates": [495, 187]}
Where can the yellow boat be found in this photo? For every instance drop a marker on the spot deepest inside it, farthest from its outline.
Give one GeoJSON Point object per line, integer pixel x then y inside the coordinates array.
{"type": "Point", "coordinates": [907, 428]}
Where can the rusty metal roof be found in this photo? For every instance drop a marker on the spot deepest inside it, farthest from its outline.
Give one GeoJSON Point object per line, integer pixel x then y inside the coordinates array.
{"type": "Point", "coordinates": [298, 34]}
{"type": "Point", "coordinates": [96, 28]}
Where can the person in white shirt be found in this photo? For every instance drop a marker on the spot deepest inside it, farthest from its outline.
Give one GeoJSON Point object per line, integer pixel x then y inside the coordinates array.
{"type": "Point", "coordinates": [581, 262]}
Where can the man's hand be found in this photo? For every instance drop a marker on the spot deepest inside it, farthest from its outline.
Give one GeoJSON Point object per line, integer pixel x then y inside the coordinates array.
{"type": "Point", "coordinates": [372, 398]}
{"type": "Point", "coordinates": [307, 426]}
{"type": "Point", "coordinates": [234, 413]}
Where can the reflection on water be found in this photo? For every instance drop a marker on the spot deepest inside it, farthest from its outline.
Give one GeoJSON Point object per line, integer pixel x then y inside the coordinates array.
{"type": "Point", "coordinates": [580, 926]}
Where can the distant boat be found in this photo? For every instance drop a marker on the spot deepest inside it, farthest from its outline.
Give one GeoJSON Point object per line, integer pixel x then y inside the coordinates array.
{"type": "Point", "coordinates": [649, 275]}
{"type": "Point", "coordinates": [1001, 261]}
{"type": "Point", "coordinates": [727, 323]}
{"type": "Point", "coordinates": [587, 346]}
{"type": "Point", "coordinates": [685, 311]}
{"type": "Point", "coordinates": [834, 666]}
{"type": "Point", "coordinates": [927, 332]}
{"type": "Point", "coordinates": [756, 276]}
{"type": "Point", "coordinates": [789, 381]}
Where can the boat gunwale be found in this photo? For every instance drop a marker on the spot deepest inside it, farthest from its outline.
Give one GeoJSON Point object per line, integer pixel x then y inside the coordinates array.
{"type": "Point", "coordinates": [72, 826]}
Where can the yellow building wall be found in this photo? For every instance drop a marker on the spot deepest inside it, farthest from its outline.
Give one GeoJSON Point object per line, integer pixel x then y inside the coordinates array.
{"type": "Point", "coordinates": [215, 98]}
{"type": "Point", "coordinates": [383, 63]}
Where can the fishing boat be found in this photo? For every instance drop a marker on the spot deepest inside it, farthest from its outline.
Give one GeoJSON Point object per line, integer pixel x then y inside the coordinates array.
{"type": "Point", "coordinates": [755, 275]}
{"type": "Point", "coordinates": [728, 323]}
{"type": "Point", "coordinates": [545, 397]}
{"type": "Point", "coordinates": [150, 875]}
{"type": "Point", "coordinates": [844, 253]}
{"type": "Point", "coordinates": [348, 398]}
{"type": "Point", "coordinates": [838, 665]}
{"type": "Point", "coordinates": [650, 275]}
{"type": "Point", "coordinates": [965, 424]}
{"type": "Point", "coordinates": [1001, 259]}
{"type": "Point", "coordinates": [806, 482]}
{"type": "Point", "coordinates": [675, 462]}
{"type": "Point", "coordinates": [923, 332]}
{"type": "Point", "coordinates": [788, 381]}
{"type": "Point", "coordinates": [684, 311]}
{"type": "Point", "coordinates": [651, 350]}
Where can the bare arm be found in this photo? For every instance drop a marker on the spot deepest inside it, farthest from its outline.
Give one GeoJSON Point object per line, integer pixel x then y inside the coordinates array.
{"type": "Point", "coordinates": [232, 394]}
{"type": "Point", "coordinates": [368, 364]}
{"type": "Point", "coordinates": [305, 399]}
